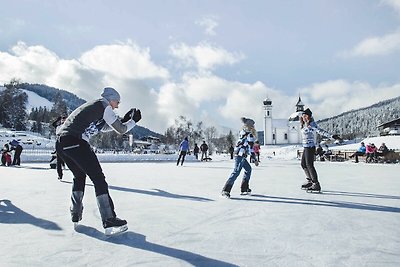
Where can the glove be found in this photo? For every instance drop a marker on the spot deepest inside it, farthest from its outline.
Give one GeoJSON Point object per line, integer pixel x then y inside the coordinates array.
{"type": "Point", "coordinates": [136, 115]}
{"type": "Point", "coordinates": [127, 116]}
{"type": "Point", "coordinates": [336, 137]}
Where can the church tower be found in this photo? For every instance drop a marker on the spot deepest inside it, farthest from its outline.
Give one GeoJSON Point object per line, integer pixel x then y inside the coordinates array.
{"type": "Point", "coordinates": [268, 136]}
{"type": "Point", "coordinates": [294, 124]}
{"type": "Point", "coordinates": [299, 105]}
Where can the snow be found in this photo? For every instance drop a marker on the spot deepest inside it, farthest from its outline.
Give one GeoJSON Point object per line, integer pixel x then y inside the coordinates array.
{"type": "Point", "coordinates": [36, 101]}
{"type": "Point", "coordinates": [177, 218]}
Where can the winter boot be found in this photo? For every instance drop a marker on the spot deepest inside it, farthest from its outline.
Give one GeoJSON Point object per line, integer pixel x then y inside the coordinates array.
{"type": "Point", "coordinates": [244, 188]}
{"type": "Point", "coordinates": [112, 225]}
{"type": "Point", "coordinates": [76, 208]}
{"type": "Point", "coordinates": [226, 191]}
{"type": "Point", "coordinates": [314, 187]}
{"type": "Point", "coordinates": [307, 184]}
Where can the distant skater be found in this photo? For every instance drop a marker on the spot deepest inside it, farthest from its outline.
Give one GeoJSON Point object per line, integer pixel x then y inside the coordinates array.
{"type": "Point", "coordinates": [59, 161]}
{"type": "Point", "coordinates": [183, 150]}
{"type": "Point", "coordinates": [309, 130]}
{"type": "Point", "coordinates": [16, 146]}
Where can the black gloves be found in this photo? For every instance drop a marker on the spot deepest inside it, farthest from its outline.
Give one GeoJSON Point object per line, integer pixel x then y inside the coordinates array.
{"type": "Point", "coordinates": [127, 116]}
{"type": "Point", "coordinates": [136, 115]}
{"type": "Point", "coordinates": [336, 137]}
{"type": "Point", "coordinates": [133, 114]}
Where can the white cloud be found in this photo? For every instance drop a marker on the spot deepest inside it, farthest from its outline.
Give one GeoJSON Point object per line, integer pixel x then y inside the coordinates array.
{"type": "Point", "coordinates": [209, 23]}
{"type": "Point", "coordinates": [204, 56]}
{"type": "Point", "coordinates": [123, 60]}
{"type": "Point", "coordinates": [376, 46]}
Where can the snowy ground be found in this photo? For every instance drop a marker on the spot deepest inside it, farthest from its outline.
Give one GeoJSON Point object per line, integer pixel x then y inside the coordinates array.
{"type": "Point", "coordinates": [176, 217]}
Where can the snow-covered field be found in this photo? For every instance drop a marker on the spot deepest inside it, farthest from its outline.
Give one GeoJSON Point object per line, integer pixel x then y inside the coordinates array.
{"type": "Point", "coordinates": [177, 218]}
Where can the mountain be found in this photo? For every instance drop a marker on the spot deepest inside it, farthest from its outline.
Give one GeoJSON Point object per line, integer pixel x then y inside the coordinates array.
{"type": "Point", "coordinates": [50, 93]}
{"type": "Point", "coordinates": [362, 122]}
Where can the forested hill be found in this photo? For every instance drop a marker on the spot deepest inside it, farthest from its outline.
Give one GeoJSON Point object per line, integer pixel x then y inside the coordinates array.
{"type": "Point", "coordinates": [50, 93]}
{"type": "Point", "coordinates": [363, 122]}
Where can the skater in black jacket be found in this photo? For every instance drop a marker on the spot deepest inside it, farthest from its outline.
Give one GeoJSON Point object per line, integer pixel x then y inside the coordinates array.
{"type": "Point", "coordinates": [73, 147]}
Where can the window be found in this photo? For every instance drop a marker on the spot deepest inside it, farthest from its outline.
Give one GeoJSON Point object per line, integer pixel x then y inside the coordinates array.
{"type": "Point", "coordinates": [273, 136]}
{"type": "Point", "coordinates": [267, 112]}
{"type": "Point", "coordinates": [285, 136]}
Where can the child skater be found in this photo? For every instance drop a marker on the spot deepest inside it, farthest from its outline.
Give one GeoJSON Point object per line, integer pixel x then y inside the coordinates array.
{"type": "Point", "coordinates": [309, 130]}
{"type": "Point", "coordinates": [244, 147]}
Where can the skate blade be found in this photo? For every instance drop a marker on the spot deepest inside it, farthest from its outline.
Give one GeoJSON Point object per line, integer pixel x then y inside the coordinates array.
{"type": "Point", "coordinates": [76, 225]}
{"type": "Point", "coordinates": [245, 194]}
{"type": "Point", "coordinates": [113, 231]}
{"type": "Point", "coordinates": [314, 191]}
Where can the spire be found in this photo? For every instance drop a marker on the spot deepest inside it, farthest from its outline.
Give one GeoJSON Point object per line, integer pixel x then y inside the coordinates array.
{"type": "Point", "coordinates": [299, 105]}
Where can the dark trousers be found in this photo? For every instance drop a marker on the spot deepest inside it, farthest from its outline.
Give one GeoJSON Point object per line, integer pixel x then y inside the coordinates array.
{"type": "Point", "coordinates": [307, 163]}
{"type": "Point", "coordinates": [82, 161]}
{"type": "Point", "coordinates": [60, 164]}
{"type": "Point", "coordinates": [356, 154]}
{"type": "Point", "coordinates": [181, 155]}
{"type": "Point", "coordinates": [17, 155]}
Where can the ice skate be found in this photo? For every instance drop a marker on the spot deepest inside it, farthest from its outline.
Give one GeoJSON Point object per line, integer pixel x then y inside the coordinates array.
{"type": "Point", "coordinates": [226, 194]}
{"type": "Point", "coordinates": [246, 192]}
{"type": "Point", "coordinates": [244, 188]}
{"type": "Point", "coordinates": [114, 226]}
{"type": "Point", "coordinates": [314, 188]}
{"type": "Point", "coordinates": [76, 208]}
{"type": "Point", "coordinates": [306, 184]}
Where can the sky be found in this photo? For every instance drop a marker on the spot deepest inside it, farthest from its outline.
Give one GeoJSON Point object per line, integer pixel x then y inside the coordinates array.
{"type": "Point", "coordinates": [210, 61]}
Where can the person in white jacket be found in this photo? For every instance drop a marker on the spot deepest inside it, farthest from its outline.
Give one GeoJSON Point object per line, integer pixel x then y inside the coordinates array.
{"type": "Point", "coordinates": [309, 131]}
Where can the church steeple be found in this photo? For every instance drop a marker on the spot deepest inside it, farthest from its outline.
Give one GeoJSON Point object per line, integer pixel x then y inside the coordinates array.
{"type": "Point", "coordinates": [299, 105]}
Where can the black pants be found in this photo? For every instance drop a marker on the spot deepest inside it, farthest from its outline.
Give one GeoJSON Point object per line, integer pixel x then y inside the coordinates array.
{"type": "Point", "coordinates": [82, 161]}
{"type": "Point", "coordinates": [181, 155]}
{"type": "Point", "coordinates": [60, 165]}
{"type": "Point", "coordinates": [356, 154]}
{"type": "Point", "coordinates": [307, 163]}
{"type": "Point", "coordinates": [17, 155]}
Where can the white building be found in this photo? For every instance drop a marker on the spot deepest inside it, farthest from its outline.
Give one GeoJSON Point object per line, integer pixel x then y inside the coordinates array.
{"type": "Point", "coordinates": [280, 131]}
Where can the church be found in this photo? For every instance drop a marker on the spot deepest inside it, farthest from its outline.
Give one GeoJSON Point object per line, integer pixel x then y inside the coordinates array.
{"type": "Point", "coordinates": [280, 131]}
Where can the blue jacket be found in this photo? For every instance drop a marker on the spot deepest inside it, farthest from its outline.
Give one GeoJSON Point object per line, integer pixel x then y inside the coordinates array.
{"type": "Point", "coordinates": [184, 146]}
{"type": "Point", "coordinates": [362, 149]}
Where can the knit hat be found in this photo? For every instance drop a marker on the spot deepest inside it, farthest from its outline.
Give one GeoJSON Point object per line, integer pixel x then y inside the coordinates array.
{"type": "Point", "coordinates": [248, 126]}
{"type": "Point", "coordinates": [308, 112]}
{"type": "Point", "coordinates": [111, 94]}
{"type": "Point", "coordinates": [248, 123]}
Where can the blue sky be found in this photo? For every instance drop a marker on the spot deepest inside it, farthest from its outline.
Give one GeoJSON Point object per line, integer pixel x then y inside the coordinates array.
{"type": "Point", "coordinates": [208, 60]}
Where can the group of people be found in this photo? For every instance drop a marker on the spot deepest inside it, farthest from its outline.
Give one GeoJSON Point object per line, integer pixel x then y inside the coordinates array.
{"type": "Point", "coordinates": [371, 152]}
{"type": "Point", "coordinates": [6, 159]}
{"type": "Point", "coordinates": [184, 149]}
{"type": "Point", "coordinates": [72, 147]}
